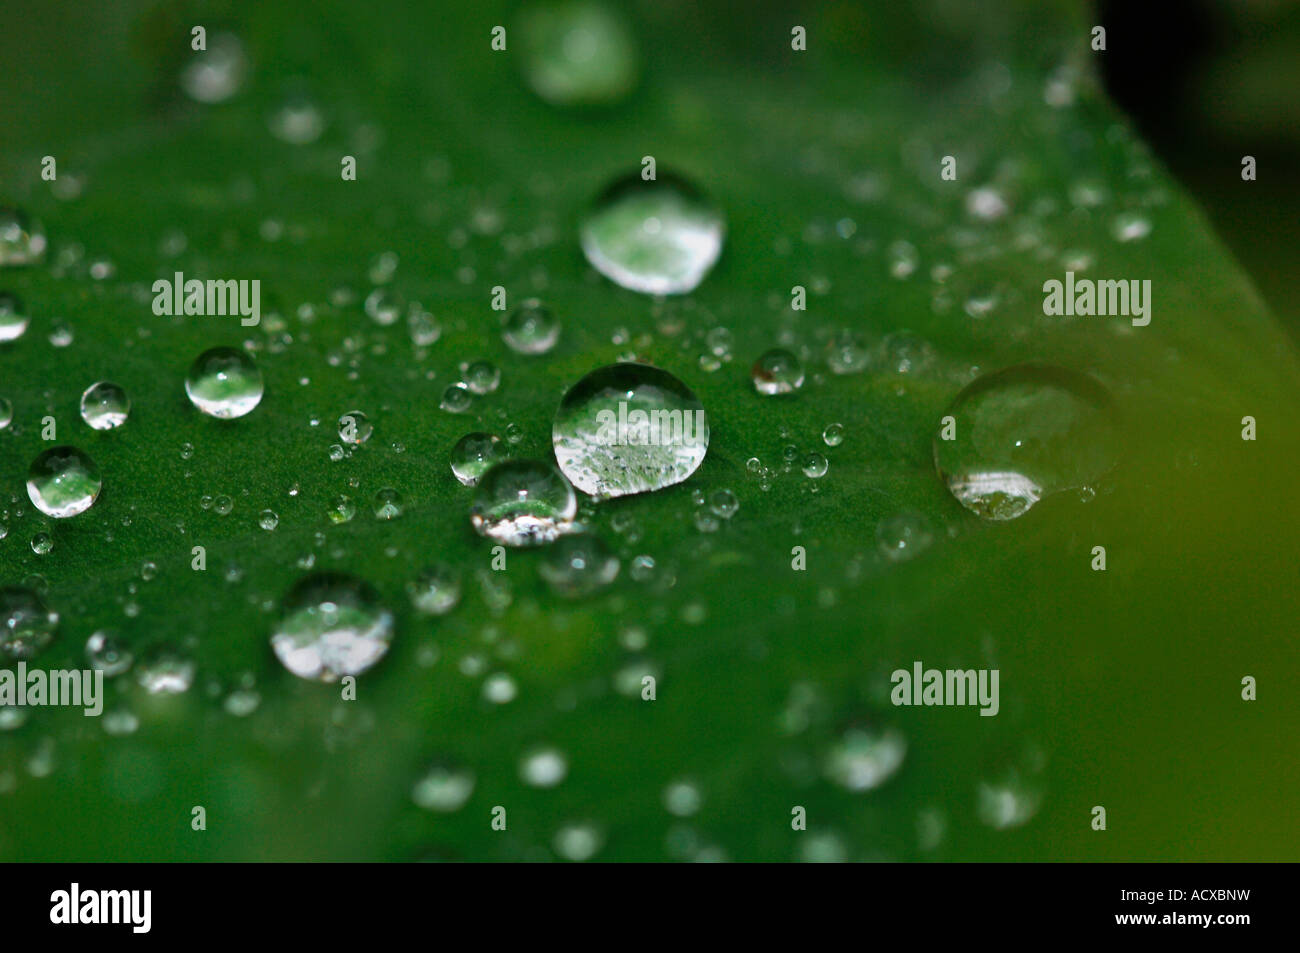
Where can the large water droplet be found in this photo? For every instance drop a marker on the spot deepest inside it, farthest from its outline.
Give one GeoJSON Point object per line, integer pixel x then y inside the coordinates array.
{"type": "Point", "coordinates": [333, 625]}
{"type": "Point", "coordinates": [1023, 433]}
{"type": "Point", "coordinates": [659, 237]}
{"type": "Point", "coordinates": [224, 383]}
{"type": "Point", "coordinates": [63, 482]}
{"type": "Point", "coordinates": [105, 406]}
{"type": "Point", "coordinates": [27, 625]}
{"type": "Point", "coordinates": [523, 503]}
{"type": "Point", "coordinates": [578, 52]}
{"type": "Point", "coordinates": [629, 428]}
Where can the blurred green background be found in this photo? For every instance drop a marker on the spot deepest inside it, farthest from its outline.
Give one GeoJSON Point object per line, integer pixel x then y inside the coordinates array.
{"type": "Point", "coordinates": [1119, 689]}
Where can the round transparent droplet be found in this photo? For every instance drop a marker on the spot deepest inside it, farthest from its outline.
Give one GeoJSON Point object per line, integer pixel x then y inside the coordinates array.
{"type": "Point", "coordinates": [6, 413]}
{"type": "Point", "coordinates": [436, 590]}
{"type": "Point", "coordinates": [297, 120]}
{"type": "Point", "coordinates": [815, 466]}
{"type": "Point", "coordinates": [27, 624]}
{"type": "Point", "coordinates": [523, 503]}
{"type": "Point", "coordinates": [473, 455]}
{"type": "Point", "coordinates": [21, 243]}
{"type": "Point", "coordinates": [13, 318]}
{"type": "Point", "coordinates": [833, 435]}
{"type": "Point", "coordinates": [482, 377]}
{"type": "Point", "coordinates": [629, 428]}
{"type": "Point", "coordinates": [659, 237]}
{"type": "Point", "coordinates": [355, 428]}
{"type": "Point", "coordinates": [579, 565]}
{"type": "Point", "coordinates": [864, 758]}
{"type": "Point", "coordinates": [544, 767]}
{"type": "Point", "coordinates": [1012, 437]}
{"type": "Point", "coordinates": [577, 52]}
{"type": "Point", "coordinates": [105, 406]}
{"type": "Point", "coordinates": [333, 625]}
{"type": "Point", "coordinates": [456, 399]}
{"type": "Point", "coordinates": [215, 75]}
{"type": "Point", "coordinates": [63, 481]}
{"type": "Point", "coordinates": [224, 383]}
{"type": "Point", "coordinates": [107, 653]}
{"type": "Point", "coordinates": [904, 536]}
{"type": "Point", "coordinates": [387, 504]}
{"type": "Point", "coordinates": [777, 372]}
{"type": "Point", "coordinates": [531, 328]}
{"type": "Point", "coordinates": [444, 788]}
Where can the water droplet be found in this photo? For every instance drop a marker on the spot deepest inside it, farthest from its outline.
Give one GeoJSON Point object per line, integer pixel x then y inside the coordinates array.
{"type": "Point", "coordinates": [215, 74]}
{"type": "Point", "coordinates": [579, 565]}
{"type": "Point", "coordinates": [297, 120]}
{"type": "Point", "coordinates": [456, 399]}
{"type": "Point", "coordinates": [531, 328]}
{"type": "Point", "coordinates": [105, 406]}
{"type": "Point", "coordinates": [482, 377]}
{"type": "Point", "coordinates": [63, 482]}
{"type": "Point", "coordinates": [864, 758]}
{"type": "Point", "coordinates": [523, 503]}
{"type": "Point", "coordinates": [474, 454]}
{"type": "Point", "coordinates": [27, 624]}
{"type": "Point", "coordinates": [499, 688]}
{"type": "Point", "coordinates": [1023, 433]}
{"type": "Point", "coordinates": [904, 536]}
{"type": "Point", "coordinates": [268, 520]}
{"type": "Point", "coordinates": [6, 413]}
{"type": "Point", "coordinates": [355, 428]}
{"type": "Point", "coordinates": [333, 625]}
{"type": "Point", "coordinates": [341, 510]}
{"type": "Point", "coordinates": [13, 318]}
{"type": "Point", "coordinates": [578, 842]}
{"type": "Point", "coordinates": [384, 305]}
{"type": "Point", "coordinates": [387, 504]}
{"type": "Point", "coordinates": [659, 237]}
{"type": "Point", "coordinates": [815, 466]}
{"type": "Point", "coordinates": [42, 543]}
{"type": "Point", "coordinates": [20, 242]}
{"type": "Point", "coordinates": [107, 653]}
{"type": "Point", "coordinates": [224, 383]}
{"type": "Point", "coordinates": [833, 435]}
{"type": "Point", "coordinates": [907, 353]}
{"type": "Point", "coordinates": [629, 428]}
{"type": "Point", "coordinates": [165, 672]}
{"type": "Point", "coordinates": [544, 768]}
{"type": "Point", "coordinates": [436, 590]}
{"type": "Point", "coordinates": [444, 788]}
{"type": "Point", "coordinates": [683, 798]}
{"type": "Point", "coordinates": [777, 372]}
{"type": "Point", "coordinates": [578, 52]}
{"type": "Point", "coordinates": [1007, 802]}
{"type": "Point", "coordinates": [1131, 226]}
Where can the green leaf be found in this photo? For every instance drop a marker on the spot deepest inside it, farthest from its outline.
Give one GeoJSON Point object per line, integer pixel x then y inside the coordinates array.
{"type": "Point", "coordinates": [1119, 688]}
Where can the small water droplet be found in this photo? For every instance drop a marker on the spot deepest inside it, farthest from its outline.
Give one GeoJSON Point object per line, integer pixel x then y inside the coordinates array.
{"type": "Point", "coordinates": [833, 435]}
{"type": "Point", "coordinates": [107, 653]}
{"type": "Point", "coordinates": [436, 590]}
{"type": "Point", "coordinates": [387, 504]}
{"type": "Point", "coordinates": [27, 624]}
{"type": "Point", "coordinates": [579, 565]}
{"type": "Point", "coordinates": [21, 243]}
{"type": "Point", "coordinates": [13, 318]}
{"type": "Point", "coordinates": [444, 788]}
{"type": "Point", "coordinates": [224, 383]}
{"type": "Point", "coordinates": [815, 466]}
{"type": "Point", "coordinates": [105, 406]}
{"type": "Point", "coordinates": [864, 758]}
{"type": "Point", "coordinates": [456, 399]}
{"type": "Point", "coordinates": [482, 377]}
{"type": "Point", "coordinates": [355, 428]}
{"type": "Point", "coordinates": [474, 454]}
{"type": "Point", "coordinates": [904, 536]}
{"type": "Point", "coordinates": [777, 372]}
{"type": "Point", "coordinates": [531, 328]}
{"type": "Point", "coordinates": [268, 520]}
{"type": "Point", "coordinates": [544, 767]}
